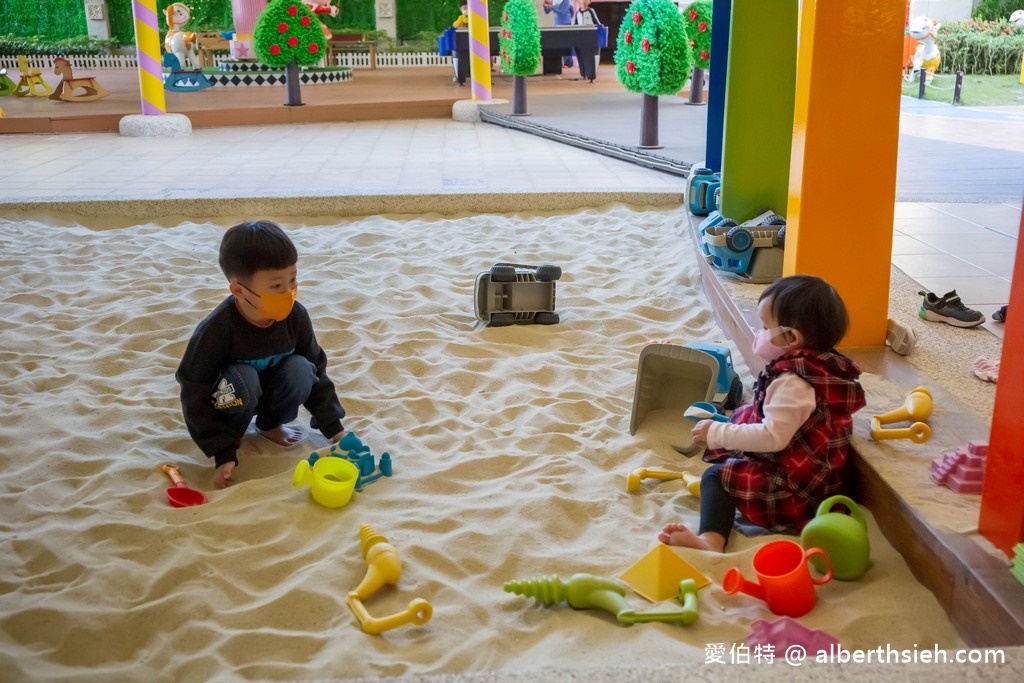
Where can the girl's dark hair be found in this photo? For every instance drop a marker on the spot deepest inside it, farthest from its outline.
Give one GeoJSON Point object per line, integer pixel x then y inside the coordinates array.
{"type": "Point", "coordinates": [254, 246]}
{"type": "Point", "coordinates": [811, 305]}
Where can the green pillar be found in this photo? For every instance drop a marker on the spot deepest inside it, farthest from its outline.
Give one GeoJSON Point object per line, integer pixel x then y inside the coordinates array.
{"type": "Point", "coordinates": [759, 98]}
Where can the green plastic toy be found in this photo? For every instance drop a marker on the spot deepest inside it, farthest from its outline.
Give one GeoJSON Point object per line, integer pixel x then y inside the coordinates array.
{"type": "Point", "coordinates": [586, 591]}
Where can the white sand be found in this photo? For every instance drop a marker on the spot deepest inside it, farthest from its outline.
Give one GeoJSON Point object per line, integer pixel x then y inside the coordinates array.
{"type": "Point", "coordinates": [510, 452]}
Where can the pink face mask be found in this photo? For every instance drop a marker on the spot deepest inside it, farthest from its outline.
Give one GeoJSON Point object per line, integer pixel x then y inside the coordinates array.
{"type": "Point", "coordinates": [763, 346]}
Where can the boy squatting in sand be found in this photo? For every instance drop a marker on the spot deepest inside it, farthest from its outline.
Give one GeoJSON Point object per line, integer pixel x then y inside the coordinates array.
{"type": "Point", "coordinates": [780, 456]}
{"type": "Point", "coordinates": [255, 354]}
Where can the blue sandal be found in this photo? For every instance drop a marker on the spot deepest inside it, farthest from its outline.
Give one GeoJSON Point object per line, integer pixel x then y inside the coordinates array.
{"type": "Point", "coordinates": [1000, 315]}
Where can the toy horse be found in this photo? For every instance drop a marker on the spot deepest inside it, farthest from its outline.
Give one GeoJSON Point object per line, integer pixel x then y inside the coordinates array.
{"type": "Point", "coordinates": [181, 44]}
{"type": "Point", "coordinates": [69, 84]}
{"type": "Point", "coordinates": [31, 81]}
{"type": "Point", "coordinates": [7, 86]}
{"type": "Point", "coordinates": [927, 55]}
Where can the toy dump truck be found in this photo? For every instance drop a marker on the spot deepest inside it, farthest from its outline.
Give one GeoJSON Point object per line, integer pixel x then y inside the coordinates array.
{"type": "Point", "coordinates": [511, 293]}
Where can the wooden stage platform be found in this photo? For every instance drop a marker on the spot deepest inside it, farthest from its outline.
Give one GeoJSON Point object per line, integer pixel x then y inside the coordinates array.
{"type": "Point", "coordinates": [372, 95]}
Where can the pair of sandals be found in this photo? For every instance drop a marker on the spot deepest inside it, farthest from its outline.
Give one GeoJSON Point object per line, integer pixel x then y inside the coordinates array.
{"type": "Point", "coordinates": [1000, 315]}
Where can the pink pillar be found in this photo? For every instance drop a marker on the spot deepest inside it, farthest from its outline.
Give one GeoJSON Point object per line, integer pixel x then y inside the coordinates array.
{"type": "Point", "coordinates": [245, 13]}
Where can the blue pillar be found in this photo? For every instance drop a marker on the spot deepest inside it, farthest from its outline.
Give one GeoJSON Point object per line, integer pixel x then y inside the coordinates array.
{"type": "Point", "coordinates": [721, 15]}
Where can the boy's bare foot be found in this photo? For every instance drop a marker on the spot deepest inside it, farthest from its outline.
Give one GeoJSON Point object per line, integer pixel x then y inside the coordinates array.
{"type": "Point", "coordinates": [283, 435]}
{"type": "Point", "coordinates": [680, 535]}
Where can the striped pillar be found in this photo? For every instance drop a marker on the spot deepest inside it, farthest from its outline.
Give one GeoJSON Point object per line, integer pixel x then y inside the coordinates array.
{"type": "Point", "coordinates": [479, 50]}
{"type": "Point", "coordinates": [151, 72]}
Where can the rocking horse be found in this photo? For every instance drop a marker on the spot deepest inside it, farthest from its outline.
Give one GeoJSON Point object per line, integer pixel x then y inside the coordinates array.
{"type": "Point", "coordinates": [69, 84]}
{"type": "Point", "coordinates": [31, 81]}
{"type": "Point", "coordinates": [7, 86]}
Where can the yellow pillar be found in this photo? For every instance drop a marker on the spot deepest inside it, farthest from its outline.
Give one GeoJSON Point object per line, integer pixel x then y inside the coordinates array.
{"type": "Point", "coordinates": [842, 179]}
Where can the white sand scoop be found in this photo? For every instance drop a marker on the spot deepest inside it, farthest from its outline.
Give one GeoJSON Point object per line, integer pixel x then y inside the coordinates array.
{"type": "Point", "coordinates": [669, 379]}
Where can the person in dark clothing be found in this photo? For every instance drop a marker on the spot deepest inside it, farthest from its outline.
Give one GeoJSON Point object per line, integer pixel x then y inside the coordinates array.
{"type": "Point", "coordinates": [781, 455]}
{"type": "Point", "coordinates": [255, 354]}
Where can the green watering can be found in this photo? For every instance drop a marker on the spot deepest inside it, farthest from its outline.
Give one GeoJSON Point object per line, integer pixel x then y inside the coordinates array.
{"type": "Point", "coordinates": [844, 538]}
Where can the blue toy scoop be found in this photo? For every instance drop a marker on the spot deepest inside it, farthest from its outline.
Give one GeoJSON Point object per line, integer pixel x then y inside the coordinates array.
{"type": "Point", "coordinates": [702, 410]}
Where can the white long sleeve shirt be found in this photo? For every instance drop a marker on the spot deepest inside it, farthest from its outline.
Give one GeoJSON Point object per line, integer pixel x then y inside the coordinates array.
{"type": "Point", "coordinates": [788, 402]}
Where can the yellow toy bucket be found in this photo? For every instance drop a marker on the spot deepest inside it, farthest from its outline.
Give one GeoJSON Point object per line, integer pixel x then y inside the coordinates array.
{"type": "Point", "coordinates": [331, 480]}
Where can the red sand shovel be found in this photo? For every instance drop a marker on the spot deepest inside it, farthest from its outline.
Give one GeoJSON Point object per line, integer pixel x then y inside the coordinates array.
{"type": "Point", "coordinates": [180, 495]}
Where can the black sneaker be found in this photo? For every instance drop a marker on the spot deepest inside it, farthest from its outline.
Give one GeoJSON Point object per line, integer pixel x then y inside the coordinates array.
{"type": "Point", "coordinates": [949, 309]}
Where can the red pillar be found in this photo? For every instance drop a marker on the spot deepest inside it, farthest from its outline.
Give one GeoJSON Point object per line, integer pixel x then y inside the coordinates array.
{"type": "Point", "coordinates": [1002, 505]}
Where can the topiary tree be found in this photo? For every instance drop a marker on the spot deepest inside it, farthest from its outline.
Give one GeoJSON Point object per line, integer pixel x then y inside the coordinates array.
{"type": "Point", "coordinates": [697, 18]}
{"type": "Point", "coordinates": [287, 34]}
{"type": "Point", "coordinates": [519, 47]}
{"type": "Point", "coordinates": [652, 57]}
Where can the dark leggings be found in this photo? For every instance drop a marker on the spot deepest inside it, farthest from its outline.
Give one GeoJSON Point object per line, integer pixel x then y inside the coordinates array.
{"type": "Point", "coordinates": [717, 509]}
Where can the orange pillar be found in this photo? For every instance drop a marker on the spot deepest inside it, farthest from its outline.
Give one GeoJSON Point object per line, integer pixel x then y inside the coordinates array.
{"type": "Point", "coordinates": [842, 179]}
{"type": "Point", "coordinates": [1002, 506]}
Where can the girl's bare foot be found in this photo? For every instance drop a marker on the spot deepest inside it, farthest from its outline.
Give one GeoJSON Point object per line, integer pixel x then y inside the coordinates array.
{"type": "Point", "coordinates": [283, 435]}
{"type": "Point", "coordinates": [680, 535]}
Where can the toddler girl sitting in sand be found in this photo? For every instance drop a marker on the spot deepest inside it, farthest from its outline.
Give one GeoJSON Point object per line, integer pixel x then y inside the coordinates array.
{"type": "Point", "coordinates": [781, 455]}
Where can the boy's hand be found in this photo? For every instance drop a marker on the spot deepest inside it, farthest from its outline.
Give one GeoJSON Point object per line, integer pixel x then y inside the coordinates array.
{"type": "Point", "coordinates": [700, 430]}
{"type": "Point", "coordinates": [222, 477]}
{"type": "Point", "coordinates": [337, 437]}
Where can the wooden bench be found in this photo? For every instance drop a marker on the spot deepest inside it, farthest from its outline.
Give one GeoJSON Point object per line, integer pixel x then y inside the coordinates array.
{"type": "Point", "coordinates": [340, 41]}
{"type": "Point", "coordinates": [208, 44]}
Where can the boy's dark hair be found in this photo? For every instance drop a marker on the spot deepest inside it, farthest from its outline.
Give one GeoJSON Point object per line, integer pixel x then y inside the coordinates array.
{"type": "Point", "coordinates": [254, 246]}
{"type": "Point", "coordinates": [810, 305]}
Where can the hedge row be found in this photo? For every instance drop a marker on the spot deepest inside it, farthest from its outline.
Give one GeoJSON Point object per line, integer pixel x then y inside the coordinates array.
{"type": "Point", "coordinates": [981, 47]}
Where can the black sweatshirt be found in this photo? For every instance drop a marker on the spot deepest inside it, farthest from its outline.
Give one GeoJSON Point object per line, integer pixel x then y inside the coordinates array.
{"type": "Point", "coordinates": [225, 337]}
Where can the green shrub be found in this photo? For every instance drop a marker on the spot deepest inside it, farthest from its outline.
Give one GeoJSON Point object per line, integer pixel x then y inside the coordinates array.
{"type": "Point", "coordinates": [981, 47]}
{"type": "Point", "coordinates": [653, 55]}
{"type": "Point", "coordinates": [40, 45]}
{"type": "Point", "coordinates": [519, 39]}
{"type": "Point", "coordinates": [698, 28]}
{"type": "Point", "coordinates": [994, 10]}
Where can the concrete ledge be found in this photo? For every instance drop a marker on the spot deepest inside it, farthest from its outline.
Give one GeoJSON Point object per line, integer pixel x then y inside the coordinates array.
{"type": "Point", "coordinates": [165, 126]}
{"type": "Point", "coordinates": [455, 203]}
{"type": "Point", "coordinates": [469, 110]}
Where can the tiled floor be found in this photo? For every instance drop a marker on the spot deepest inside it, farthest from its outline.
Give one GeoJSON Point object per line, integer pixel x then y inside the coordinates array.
{"type": "Point", "coordinates": [966, 247]}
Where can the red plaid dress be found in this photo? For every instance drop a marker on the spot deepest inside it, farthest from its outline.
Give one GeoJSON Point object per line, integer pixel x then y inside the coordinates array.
{"type": "Point", "coordinates": [782, 490]}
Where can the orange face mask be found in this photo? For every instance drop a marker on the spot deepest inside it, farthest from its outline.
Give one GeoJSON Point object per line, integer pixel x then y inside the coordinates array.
{"type": "Point", "coordinates": [276, 306]}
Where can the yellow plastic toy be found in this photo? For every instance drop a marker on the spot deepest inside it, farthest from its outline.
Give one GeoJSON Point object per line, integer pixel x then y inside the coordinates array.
{"type": "Point", "coordinates": [31, 81]}
{"type": "Point", "coordinates": [917, 409]}
{"type": "Point", "coordinates": [636, 476]}
{"type": "Point", "coordinates": [656, 575]}
{"type": "Point", "coordinates": [331, 480]}
{"type": "Point", "coordinates": [383, 567]}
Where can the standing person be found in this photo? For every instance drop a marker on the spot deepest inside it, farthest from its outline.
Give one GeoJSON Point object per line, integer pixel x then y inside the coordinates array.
{"type": "Point", "coordinates": [563, 17]}
{"type": "Point", "coordinates": [780, 456]}
{"type": "Point", "coordinates": [462, 21]}
{"type": "Point", "coordinates": [255, 354]}
{"type": "Point", "coordinates": [586, 16]}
